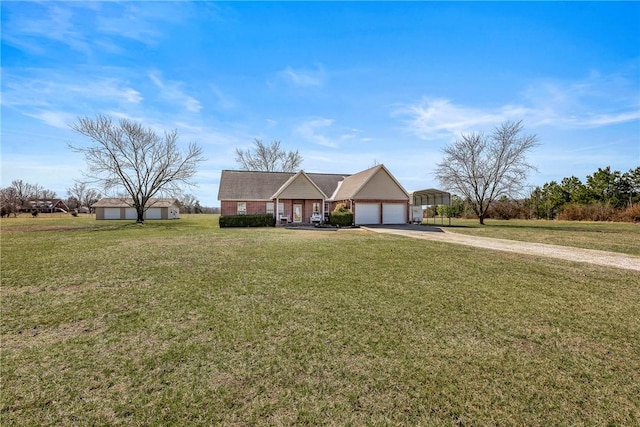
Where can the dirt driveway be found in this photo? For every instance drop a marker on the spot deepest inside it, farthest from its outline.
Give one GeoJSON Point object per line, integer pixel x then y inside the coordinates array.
{"type": "Point", "coordinates": [592, 256]}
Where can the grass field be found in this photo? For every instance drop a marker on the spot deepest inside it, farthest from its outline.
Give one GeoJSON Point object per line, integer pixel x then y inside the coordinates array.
{"type": "Point", "coordinates": [184, 323]}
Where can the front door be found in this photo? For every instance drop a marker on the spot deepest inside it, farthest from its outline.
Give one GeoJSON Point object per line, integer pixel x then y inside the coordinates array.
{"type": "Point", "coordinates": [297, 213]}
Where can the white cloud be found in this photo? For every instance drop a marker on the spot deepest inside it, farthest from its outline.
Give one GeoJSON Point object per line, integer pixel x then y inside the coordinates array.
{"type": "Point", "coordinates": [58, 119]}
{"type": "Point", "coordinates": [224, 101]}
{"type": "Point", "coordinates": [596, 101]}
{"type": "Point", "coordinates": [303, 77]}
{"type": "Point", "coordinates": [72, 90]}
{"type": "Point", "coordinates": [309, 130]}
{"type": "Point", "coordinates": [435, 118]}
{"type": "Point", "coordinates": [172, 91]}
{"type": "Point", "coordinates": [49, 21]}
{"type": "Point", "coordinates": [130, 23]}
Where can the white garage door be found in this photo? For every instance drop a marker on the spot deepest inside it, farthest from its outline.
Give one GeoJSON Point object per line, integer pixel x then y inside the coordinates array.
{"type": "Point", "coordinates": [111, 213]}
{"type": "Point", "coordinates": [154, 213]}
{"type": "Point", "coordinates": [367, 213]}
{"type": "Point", "coordinates": [130, 213]}
{"type": "Point", "coordinates": [394, 213]}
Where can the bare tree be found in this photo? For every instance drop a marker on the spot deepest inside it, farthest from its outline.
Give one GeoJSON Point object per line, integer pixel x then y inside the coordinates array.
{"type": "Point", "coordinates": [9, 203]}
{"type": "Point", "coordinates": [47, 194]}
{"type": "Point", "coordinates": [23, 192]}
{"type": "Point", "coordinates": [268, 158]}
{"type": "Point", "coordinates": [126, 155]}
{"type": "Point", "coordinates": [188, 201]}
{"type": "Point", "coordinates": [84, 195]}
{"type": "Point", "coordinates": [484, 168]}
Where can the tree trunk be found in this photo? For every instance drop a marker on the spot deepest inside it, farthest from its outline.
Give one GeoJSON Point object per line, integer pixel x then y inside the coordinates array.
{"type": "Point", "coordinates": [140, 219]}
{"type": "Point", "coordinates": [481, 218]}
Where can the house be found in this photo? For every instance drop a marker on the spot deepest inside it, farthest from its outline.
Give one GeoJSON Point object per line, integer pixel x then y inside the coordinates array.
{"type": "Point", "coordinates": [373, 195]}
{"type": "Point", "coordinates": [122, 208]}
{"type": "Point", "coordinates": [47, 205]}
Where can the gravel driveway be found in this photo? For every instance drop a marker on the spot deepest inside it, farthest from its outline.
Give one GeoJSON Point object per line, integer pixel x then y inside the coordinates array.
{"type": "Point", "coordinates": [592, 256]}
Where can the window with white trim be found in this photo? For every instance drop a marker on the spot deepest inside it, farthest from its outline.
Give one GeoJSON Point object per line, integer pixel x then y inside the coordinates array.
{"type": "Point", "coordinates": [242, 208]}
{"type": "Point", "coordinates": [270, 210]}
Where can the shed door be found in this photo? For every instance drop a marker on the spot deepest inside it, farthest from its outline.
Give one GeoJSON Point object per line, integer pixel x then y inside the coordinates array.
{"type": "Point", "coordinates": [130, 213]}
{"type": "Point", "coordinates": [154, 213]}
{"type": "Point", "coordinates": [111, 213]}
{"type": "Point", "coordinates": [367, 213]}
{"type": "Point", "coordinates": [394, 213]}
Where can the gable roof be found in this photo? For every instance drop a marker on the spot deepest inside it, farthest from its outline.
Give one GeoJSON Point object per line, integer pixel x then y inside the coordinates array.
{"type": "Point", "coordinates": [250, 185]}
{"type": "Point", "coordinates": [355, 186]}
{"type": "Point", "coordinates": [299, 186]}
{"type": "Point", "coordinates": [123, 202]}
{"type": "Point", "coordinates": [257, 185]}
{"type": "Point", "coordinates": [240, 185]}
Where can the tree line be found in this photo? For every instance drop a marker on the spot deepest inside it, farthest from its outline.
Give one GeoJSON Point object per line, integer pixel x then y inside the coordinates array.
{"type": "Point", "coordinates": [22, 196]}
{"type": "Point", "coordinates": [605, 195]}
{"type": "Point", "coordinates": [601, 197]}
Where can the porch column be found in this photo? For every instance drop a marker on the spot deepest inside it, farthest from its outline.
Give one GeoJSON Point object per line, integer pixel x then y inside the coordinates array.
{"type": "Point", "coordinates": [277, 211]}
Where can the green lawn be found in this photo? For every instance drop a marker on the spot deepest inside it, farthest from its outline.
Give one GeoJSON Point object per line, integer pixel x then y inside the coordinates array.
{"type": "Point", "coordinates": [606, 236]}
{"type": "Point", "coordinates": [182, 323]}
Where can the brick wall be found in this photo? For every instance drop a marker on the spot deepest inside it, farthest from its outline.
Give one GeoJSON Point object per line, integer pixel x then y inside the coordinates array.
{"type": "Point", "coordinates": [260, 207]}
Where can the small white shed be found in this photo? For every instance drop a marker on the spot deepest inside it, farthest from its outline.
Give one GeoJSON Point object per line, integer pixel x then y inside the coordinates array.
{"type": "Point", "coordinates": [122, 208]}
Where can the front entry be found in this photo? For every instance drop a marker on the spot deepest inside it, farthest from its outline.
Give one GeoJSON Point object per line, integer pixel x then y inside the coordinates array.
{"type": "Point", "coordinates": [297, 213]}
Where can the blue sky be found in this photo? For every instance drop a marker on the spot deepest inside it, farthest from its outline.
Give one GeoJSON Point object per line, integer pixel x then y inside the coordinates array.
{"type": "Point", "coordinates": [349, 85]}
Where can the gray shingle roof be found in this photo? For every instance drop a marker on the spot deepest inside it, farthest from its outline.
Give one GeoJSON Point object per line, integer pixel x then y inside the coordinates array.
{"type": "Point", "coordinates": [250, 185]}
{"type": "Point", "coordinates": [255, 185]}
{"type": "Point", "coordinates": [123, 202]}
{"type": "Point", "coordinates": [353, 183]}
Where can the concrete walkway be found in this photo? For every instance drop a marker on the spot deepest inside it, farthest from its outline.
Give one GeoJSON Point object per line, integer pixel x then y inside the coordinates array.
{"type": "Point", "coordinates": [591, 256]}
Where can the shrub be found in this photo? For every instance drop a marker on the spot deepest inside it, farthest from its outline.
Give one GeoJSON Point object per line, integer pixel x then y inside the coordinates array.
{"type": "Point", "coordinates": [341, 216]}
{"type": "Point", "coordinates": [342, 219]}
{"type": "Point", "coordinates": [590, 212]}
{"type": "Point", "coordinates": [505, 208]}
{"type": "Point", "coordinates": [630, 214]}
{"type": "Point", "coordinates": [265, 220]}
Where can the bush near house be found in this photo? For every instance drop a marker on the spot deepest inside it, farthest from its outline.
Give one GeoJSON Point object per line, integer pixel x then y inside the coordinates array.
{"type": "Point", "coordinates": [341, 216]}
{"type": "Point", "coordinates": [266, 220]}
{"type": "Point", "coordinates": [342, 219]}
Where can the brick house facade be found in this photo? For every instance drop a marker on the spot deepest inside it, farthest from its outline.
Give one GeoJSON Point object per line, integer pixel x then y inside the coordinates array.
{"type": "Point", "coordinates": [373, 195]}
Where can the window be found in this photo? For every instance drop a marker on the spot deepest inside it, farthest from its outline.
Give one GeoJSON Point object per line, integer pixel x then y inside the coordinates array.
{"type": "Point", "coordinates": [316, 207]}
{"type": "Point", "coordinates": [270, 206]}
{"type": "Point", "coordinates": [242, 208]}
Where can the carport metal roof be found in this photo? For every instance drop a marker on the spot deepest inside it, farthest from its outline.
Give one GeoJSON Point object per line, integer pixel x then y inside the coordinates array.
{"type": "Point", "coordinates": [430, 196]}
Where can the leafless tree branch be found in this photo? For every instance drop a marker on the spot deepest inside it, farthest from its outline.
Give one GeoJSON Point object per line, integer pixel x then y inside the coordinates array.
{"type": "Point", "coordinates": [129, 156]}
{"type": "Point", "coordinates": [483, 168]}
{"type": "Point", "coordinates": [268, 158]}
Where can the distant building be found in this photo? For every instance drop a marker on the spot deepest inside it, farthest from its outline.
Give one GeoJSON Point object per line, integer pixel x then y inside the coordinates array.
{"type": "Point", "coordinates": [122, 208]}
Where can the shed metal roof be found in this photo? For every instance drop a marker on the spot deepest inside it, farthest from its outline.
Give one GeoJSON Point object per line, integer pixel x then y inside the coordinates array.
{"type": "Point", "coordinates": [430, 196]}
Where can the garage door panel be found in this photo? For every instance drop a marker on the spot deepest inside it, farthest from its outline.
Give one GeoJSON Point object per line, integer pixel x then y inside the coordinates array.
{"type": "Point", "coordinates": [394, 213]}
{"type": "Point", "coordinates": [154, 213]}
{"type": "Point", "coordinates": [367, 213]}
{"type": "Point", "coordinates": [130, 213]}
{"type": "Point", "coordinates": [111, 213]}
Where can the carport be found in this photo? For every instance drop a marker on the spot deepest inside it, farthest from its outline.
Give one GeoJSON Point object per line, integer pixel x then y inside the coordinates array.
{"type": "Point", "coordinates": [428, 197]}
